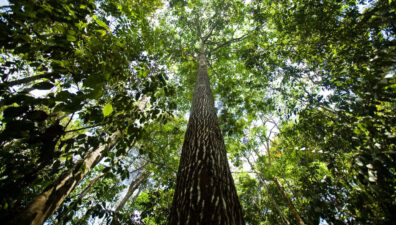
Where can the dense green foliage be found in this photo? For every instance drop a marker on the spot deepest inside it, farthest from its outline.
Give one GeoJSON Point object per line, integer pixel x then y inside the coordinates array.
{"type": "Point", "coordinates": [305, 92]}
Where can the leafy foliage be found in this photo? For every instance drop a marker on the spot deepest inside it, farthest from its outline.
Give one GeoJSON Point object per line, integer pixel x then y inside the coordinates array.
{"type": "Point", "coordinates": [305, 93]}
{"type": "Point", "coordinates": [65, 72]}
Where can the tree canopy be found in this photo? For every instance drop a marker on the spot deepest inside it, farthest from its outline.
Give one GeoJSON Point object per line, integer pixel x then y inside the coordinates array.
{"type": "Point", "coordinates": [95, 97]}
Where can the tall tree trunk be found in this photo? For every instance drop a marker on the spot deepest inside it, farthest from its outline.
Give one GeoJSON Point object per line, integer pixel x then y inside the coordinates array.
{"type": "Point", "coordinates": [205, 191]}
{"type": "Point", "coordinates": [289, 202]}
{"type": "Point", "coordinates": [45, 204]}
{"type": "Point", "coordinates": [283, 217]}
{"type": "Point", "coordinates": [132, 187]}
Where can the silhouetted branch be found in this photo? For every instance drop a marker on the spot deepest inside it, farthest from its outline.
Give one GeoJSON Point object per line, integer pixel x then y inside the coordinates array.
{"type": "Point", "coordinates": [229, 42]}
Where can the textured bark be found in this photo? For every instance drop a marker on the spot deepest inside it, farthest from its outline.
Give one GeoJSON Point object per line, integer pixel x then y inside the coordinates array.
{"type": "Point", "coordinates": [45, 204]}
{"type": "Point", "coordinates": [289, 202]}
{"type": "Point", "coordinates": [205, 192]}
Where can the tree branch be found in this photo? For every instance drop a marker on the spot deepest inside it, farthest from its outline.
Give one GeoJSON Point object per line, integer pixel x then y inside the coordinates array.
{"type": "Point", "coordinates": [198, 27]}
{"type": "Point", "coordinates": [229, 42]}
{"type": "Point", "coordinates": [83, 128]}
{"type": "Point", "coordinates": [68, 122]}
{"type": "Point", "coordinates": [211, 30]}
{"type": "Point", "coordinates": [28, 79]}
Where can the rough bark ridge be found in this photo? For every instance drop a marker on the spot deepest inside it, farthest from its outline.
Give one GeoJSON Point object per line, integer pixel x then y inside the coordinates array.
{"type": "Point", "coordinates": [205, 191]}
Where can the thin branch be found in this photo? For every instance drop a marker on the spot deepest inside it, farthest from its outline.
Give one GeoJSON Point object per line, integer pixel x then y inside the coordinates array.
{"type": "Point", "coordinates": [136, 195]}
{"type": "Point", "coordinates": [229, 42]}
{"type": "Point", "coordinates": [211, 30]}
{"type": "Point", "coordinates": [27, 79]}
{"type": "Point", "coordinates": [82, 128]}
{"type": "Point", "coordinates": [132, 187]}
{"type": "Point", "coordinates": [262, 181]}
{"type": "Point", "coordinates": [198, 27]}
{"type": "Point", "coordinates": [80, 197]}
{"type": "Point", "coordinates": [68, 122]}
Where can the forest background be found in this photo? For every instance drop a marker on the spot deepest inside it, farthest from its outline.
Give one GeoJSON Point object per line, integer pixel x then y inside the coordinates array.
{"type": "Point", "coordinates": [95, 98]}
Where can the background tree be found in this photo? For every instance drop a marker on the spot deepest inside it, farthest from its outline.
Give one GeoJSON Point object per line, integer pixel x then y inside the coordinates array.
{"type": "Point", "coordinates": [339, 77]}
{"type": "Point", "coordinates": [73, 54]}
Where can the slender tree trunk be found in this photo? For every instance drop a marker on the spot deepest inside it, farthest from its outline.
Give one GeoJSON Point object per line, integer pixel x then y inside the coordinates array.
{"type": "Point", "coordinates": [284, 194]}
{"type": "Point", "coordinates": [132, 187]}
{"type": "Point", "coordinates": [45, 204]}
{"type": "Point", "coordinates": [284, 219]}
{"type": "Point", "coordinates": [137, 195]}
{"type": "Point", "coordinates": [262, 183]}
{"type": "Point", "coordinates": [289, 202]}
{"type": "Point", "coordinates": [205, 191]}
{"type": "Point", "coordinates": [91, 184]}
{"type": "Point", "coordinates": [84, 192]}
{"type": "Point", "coordinates": [80, 196]}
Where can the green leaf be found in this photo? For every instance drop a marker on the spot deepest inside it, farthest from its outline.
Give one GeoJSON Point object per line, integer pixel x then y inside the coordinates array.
{"type": "Point", "coordinates": [70, 37]}
{"type": "Point", "coordinates": [95, 93]}
{"type": "Point", "coordinates": [101, 23]}
{"type": "Point", "coordinates": [107, 109]}
{"type": "Point", "coordinates": [102, 32]}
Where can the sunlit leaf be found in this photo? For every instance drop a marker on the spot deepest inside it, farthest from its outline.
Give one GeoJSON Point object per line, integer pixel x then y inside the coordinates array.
{"type": "Point", "coordinates": [107, 109]}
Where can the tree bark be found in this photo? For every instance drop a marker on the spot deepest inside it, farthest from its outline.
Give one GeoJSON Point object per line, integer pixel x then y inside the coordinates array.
{"type": "Point", "coordinates": [45, 204]}
{"type": "Point", "coordinates": [205, 191]}
{"type": "Point", "coordinates": [289, 202]}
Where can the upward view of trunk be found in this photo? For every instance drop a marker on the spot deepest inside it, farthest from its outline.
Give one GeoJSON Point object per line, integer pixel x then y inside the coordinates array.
{"type": "Point", "coordinates": [45, 204]}
{"type": "Point", "coordinates": [205, 191]}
